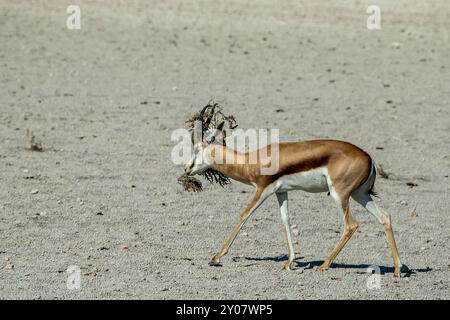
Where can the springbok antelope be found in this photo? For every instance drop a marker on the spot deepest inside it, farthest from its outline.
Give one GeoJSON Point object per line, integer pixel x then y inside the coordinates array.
{"type": "Point", "coordinates": [333, 166]}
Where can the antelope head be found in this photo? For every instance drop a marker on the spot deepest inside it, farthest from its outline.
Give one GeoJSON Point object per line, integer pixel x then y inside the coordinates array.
{"type": "Point", "coordinates": [205, 137]}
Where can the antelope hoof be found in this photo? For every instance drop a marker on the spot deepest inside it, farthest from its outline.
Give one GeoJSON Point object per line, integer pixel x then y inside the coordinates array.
{"type": "Point", "coordinates": [214, 263]}
{"type": "Point", "coordinates": [399, 269]}
{"type": "Point", "coordinates": [323, 266]}
{"type": "Point", "coordinates": [287, 265]}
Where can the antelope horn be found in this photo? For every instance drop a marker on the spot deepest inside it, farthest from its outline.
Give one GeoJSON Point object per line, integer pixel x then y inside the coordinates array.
{"type": "Point", "coordinates": [203, 111]}
{"type": "Point", "coordinates": [211, 115]}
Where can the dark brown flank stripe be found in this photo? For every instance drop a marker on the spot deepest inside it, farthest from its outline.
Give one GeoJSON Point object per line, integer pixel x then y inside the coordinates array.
{"type": "Point", "coordinates": [307, 165]}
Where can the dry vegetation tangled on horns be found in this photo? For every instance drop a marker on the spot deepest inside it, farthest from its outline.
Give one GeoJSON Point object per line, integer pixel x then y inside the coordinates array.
{"type": "Point", "coordinates": [211, 116]}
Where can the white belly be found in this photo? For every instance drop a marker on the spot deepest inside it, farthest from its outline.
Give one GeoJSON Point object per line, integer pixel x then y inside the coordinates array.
{"type": "Point", "coordinates": [311, 181]}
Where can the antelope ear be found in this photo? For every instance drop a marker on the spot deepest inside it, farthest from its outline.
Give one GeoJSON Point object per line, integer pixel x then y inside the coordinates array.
{"type": "Point", "coordinates": [217, 132]}
{"type": "Point", "coordinates": [198, 131]}
{"type": "Point", "coordinates": [220, 126]}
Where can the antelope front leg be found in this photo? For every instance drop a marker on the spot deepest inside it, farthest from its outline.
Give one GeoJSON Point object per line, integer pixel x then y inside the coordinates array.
{"type": "Point", "coordinates": [258, 198]}
{"type": "Point", "coordinates": [283, 203]}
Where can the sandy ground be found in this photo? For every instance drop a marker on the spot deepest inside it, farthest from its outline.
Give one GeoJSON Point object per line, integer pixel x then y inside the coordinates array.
{"type": "Point", "coordinates": [105, 99]}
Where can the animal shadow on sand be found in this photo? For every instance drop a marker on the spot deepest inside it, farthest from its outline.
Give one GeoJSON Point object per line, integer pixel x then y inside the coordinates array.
{"type": "Point", "coordinates": [298, 263]}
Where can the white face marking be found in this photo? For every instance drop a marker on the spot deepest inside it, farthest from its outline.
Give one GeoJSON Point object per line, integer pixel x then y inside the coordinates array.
{"type": "Point", "coordinates": [198, 163]}
{"type": "Point", "coordinates": [314, 180]}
